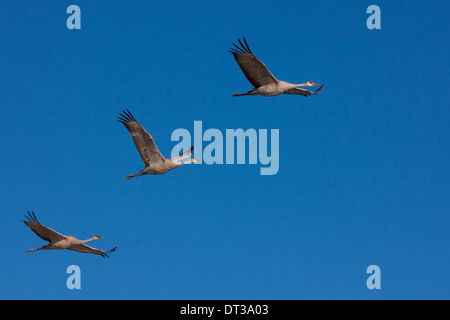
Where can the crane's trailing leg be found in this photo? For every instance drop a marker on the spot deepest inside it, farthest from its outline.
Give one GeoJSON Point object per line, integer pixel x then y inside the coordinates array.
{"type": "Point", "coordinates": [133, 175]}
{"type": "Point", "coordinates": [249, 93]}
{"type": "Point", "coordinates": [31, 250]}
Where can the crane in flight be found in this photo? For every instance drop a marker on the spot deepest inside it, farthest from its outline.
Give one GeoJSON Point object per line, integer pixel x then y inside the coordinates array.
{"type": "Point", "coordinates": [154, 161]}
{"type": "Point", "coordinates": [264, 83]}
{"type": "Point", "coordinates": [58, 241]}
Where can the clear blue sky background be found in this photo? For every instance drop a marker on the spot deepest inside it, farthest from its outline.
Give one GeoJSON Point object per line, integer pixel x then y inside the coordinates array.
{"type": "Point", "coordinates": [364, 165]}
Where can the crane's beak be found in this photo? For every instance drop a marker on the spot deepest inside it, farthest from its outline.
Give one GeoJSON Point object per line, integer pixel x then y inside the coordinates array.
{"type": "Point", "coordinates": [318, 90]}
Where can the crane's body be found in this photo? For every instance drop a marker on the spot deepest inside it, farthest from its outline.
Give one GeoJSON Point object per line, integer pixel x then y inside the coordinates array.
{"type": "Point", "coordinates": [65, 243]}
{"type": "Point", "coordinates": [264, 83]}
{"type": "Point", "coordinates": [157, 168]}
{"type": "Point", "coordinates": [275, 89]}
{"type": "Point", "coordinates": [57, 241]}
{"type": "Point", "coordinates": [153, 160]}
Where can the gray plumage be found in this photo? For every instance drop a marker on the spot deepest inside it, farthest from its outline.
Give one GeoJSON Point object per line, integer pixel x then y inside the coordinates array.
{"type": "Point", "coordinates": [57, 241]}
{"type": "Point", "coordinates": [153, 160]}
{"type": "Point", "coordinates": [264, 83]}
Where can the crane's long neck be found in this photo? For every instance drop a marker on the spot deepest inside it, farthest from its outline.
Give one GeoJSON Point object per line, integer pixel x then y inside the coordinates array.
{"type": "Point", "coordinates": [306, 84]}
{"type": "Point", "coordinates": [283, 85]}
{"type": "Point", "coordinates": [89, 240]}
{"type": "Point", "coordinates": [173, 164]}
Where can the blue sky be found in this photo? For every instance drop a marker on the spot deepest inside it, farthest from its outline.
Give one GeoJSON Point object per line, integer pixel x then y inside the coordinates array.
{"type": "Point", "coordinates": [364, 171]}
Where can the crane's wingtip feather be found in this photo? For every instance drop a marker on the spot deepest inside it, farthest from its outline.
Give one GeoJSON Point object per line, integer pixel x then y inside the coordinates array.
{"type": "Point", "coordinates": [238, 49]}
{"type": "Point", "coordinates": [126, 117]}
{"type": "Point", "coordinates": [31, 217]}
{"type": "Point", "coordinates": [104, 253]}
{"type": "Point", "coordinates": [248, 48]}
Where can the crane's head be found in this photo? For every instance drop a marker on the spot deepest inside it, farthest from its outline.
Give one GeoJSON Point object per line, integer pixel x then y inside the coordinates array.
{"type": "Point", "coordinates": [97, 237]}
{"type": "Point", "coordinates": [306, 84]}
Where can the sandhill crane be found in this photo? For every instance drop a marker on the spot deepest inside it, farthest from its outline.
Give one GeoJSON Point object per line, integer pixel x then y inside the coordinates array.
{"type": "Point", "coordinates": [58, 241]}
{"type": "Point", "coordinates": [264, 83]}
{"type": "Point", "coordinates": [154, 161]}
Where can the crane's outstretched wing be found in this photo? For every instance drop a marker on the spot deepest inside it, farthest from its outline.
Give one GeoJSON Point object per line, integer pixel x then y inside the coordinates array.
{"type": "Point", "coordinates": [42, 231]}
{"type": "Point", "coordinates": [185, 155]}
{"type": "Point", "coordinates": [303, 92]}
{"type": "Point", "coordinates": [86, 249]}
{"type": "Point", "coordinates": [254, 70]}
{"type": "Point", "coordinates": [144, 142]}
